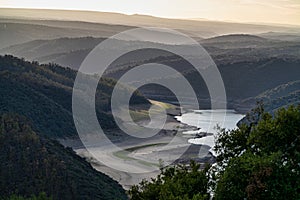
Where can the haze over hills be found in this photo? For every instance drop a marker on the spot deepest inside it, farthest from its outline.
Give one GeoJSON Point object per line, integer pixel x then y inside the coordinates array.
{"type": "Point", "coordinates": [250, 59]}
{"type": "Point", "coordinates": [71, 51]}
{"type": "Point", "coordinates": [256, 63]}
{"type": "Point", "coordinates": [191, 27]}
{"type": "Point", "coordinates": [12, 32]}
{"type": "Point", "coordinates": [60, 140]}
{"type": "Point", "coordinates": [293, 37]}
{"type": "Point", "coordinates": [66, 37]}
{"type": "Point", "coordinates": [39, 49]}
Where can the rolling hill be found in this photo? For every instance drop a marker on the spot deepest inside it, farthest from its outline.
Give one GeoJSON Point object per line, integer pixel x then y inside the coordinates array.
{"type": "Point", "coordinates": [12, 32]}
{"type": "Point", "coordinates": [242, 80]}
{"type": "Point", "coordinates": [37, 49]}
{"type": "Point", "coordinates": [281, 96]}
{"type": "Point", "coordinates": [272, 100]}
{"type": "Point", "coordinates": [71, 52]}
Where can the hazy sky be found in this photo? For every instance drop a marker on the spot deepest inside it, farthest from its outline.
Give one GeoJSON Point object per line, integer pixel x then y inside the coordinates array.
{"type": "Point", "coordinates": [270, 11]}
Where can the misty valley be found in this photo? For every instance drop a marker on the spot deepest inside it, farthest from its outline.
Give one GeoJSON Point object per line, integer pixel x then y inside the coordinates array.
{"type": "Point", "coordinates": [68, 131]}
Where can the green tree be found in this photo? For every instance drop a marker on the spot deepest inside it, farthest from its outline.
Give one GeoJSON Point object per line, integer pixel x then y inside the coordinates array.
{"type": "Point", "coordinates": [174, 183]}
{"type": "Point", "coordinates": [261, 160]}
{"type": "Point", "coordinates": [32, 164]}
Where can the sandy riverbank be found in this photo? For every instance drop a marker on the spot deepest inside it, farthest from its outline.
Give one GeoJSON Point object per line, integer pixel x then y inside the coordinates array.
{"type": "Point", "coordinates": [137, 159]}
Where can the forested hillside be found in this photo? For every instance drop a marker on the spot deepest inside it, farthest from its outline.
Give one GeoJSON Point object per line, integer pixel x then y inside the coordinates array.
{"type": "Point", "coordinates": [30, 164]}
{"type": "Point", "coordinates": [43, 93]}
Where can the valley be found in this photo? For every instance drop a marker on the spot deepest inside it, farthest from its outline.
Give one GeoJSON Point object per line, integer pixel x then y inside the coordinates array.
{"type": "Point", "coordinates": [40, 59]}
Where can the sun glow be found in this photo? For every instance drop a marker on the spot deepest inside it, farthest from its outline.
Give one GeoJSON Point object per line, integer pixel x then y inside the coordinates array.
{"type": "Point", "coordinates": [267, 11]}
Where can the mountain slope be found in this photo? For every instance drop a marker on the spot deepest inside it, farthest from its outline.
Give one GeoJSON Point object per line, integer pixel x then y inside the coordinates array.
{"type": "Point", "coordinates": [70, 52]}
{"type": "Point", "coordinates": [280, 96]}
{"type": "Point", "coordinates": [31, 164]}
{"type": "Point", "coordinates": [39, 48]}
{"type": "Point", "coordinates": [242, 80]}
{"type": "Point", "coordinates": [43, 93]}
{"type": "Point", "coordinates": [272, 100]}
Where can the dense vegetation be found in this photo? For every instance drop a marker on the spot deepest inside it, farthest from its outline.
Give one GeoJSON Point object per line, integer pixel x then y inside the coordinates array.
{"type": "Point", "coordinates": [41, 196]}
{"type": "Point", "coordinates": [32, 164]}
{"type": "Point", "coordinates": [261, 161]}
{"type": "Point", "coordinates": [256, 161]}
{"type": "Point", "coordinates": [174, 183]}
{"type": "Point", "coordinates": [43, 93]}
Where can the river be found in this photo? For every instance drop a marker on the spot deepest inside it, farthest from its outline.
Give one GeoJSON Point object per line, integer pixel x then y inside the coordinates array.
{"type": "Point", "coordinates": [207, 121]}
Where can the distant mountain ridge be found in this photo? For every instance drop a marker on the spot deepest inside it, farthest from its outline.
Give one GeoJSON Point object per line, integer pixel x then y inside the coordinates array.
{"type": "Point", "coordinates": [234, 38]}
{"type": "Point", "coordinates": [36, 49]}
{"type": "Point", "coordinates": [192, 27]}
{"type": "Point", "coordinates": [70, 52]}
{"type": "Point", "coordinates": [247, 71]}
{"type": "Point", "coordinates": [12, 33]}
{"type": "Point", "coordinates": [292, 37]}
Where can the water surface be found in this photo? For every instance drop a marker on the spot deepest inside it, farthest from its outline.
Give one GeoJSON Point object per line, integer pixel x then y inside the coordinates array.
{"type": "Point", "coordinates": [207, 121]}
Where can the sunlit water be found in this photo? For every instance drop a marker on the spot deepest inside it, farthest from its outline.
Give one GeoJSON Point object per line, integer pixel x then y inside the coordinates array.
{"type": "Point", "coordinates": [207, 121]}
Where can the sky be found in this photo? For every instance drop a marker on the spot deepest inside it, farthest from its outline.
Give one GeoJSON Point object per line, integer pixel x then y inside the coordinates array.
{"type": "Point", "coordinates": [258, 11]}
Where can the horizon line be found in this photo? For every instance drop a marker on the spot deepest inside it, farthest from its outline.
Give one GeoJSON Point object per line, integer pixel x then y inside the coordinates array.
{"type": "Point", "coordinates": [199, 19]}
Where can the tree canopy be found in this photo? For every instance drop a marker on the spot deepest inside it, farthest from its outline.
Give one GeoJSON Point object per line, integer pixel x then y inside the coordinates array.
{"type": "Point", "coordinates": [260, 161]}
{"type": "Point", "coordinates": [174, 183]}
